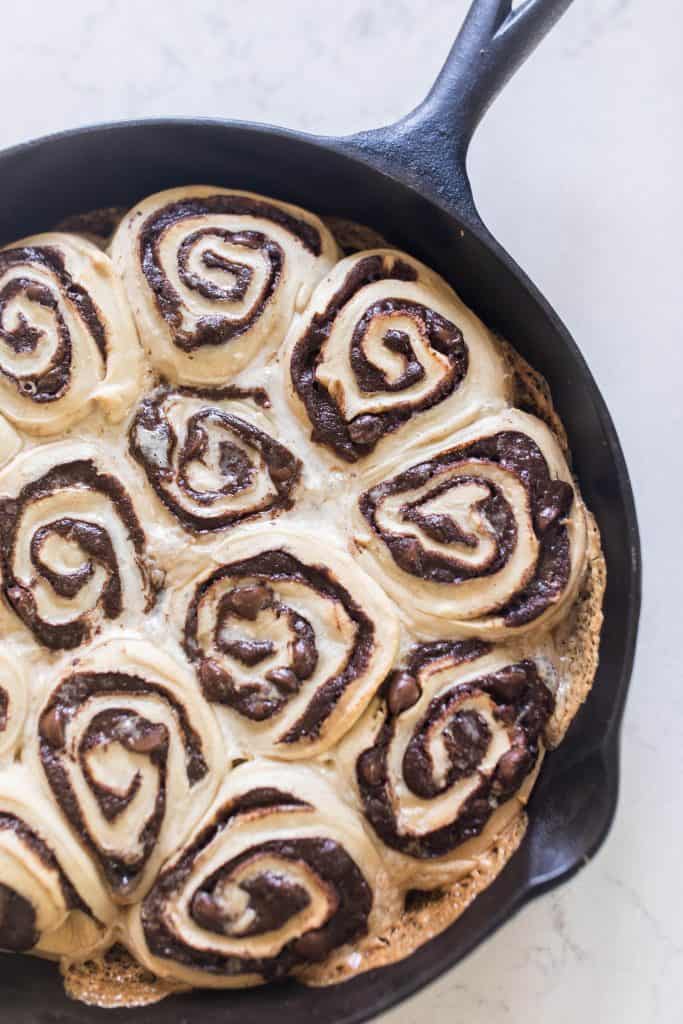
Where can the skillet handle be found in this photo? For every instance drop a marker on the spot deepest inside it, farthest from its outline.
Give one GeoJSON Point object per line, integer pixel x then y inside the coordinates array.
{"type": "Point", "coordinates": [428, 147]}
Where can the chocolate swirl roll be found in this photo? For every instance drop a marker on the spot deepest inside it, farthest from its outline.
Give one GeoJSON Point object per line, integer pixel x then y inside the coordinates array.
{"type": "Point", "coordinates": [289, 637]}
{"type": "Point", "coordinates": [277, 875]}
{"type": "Point", "coordinates": [67, 338]}
{"type": "Point", "coordinates": [387, 355]}
{"type": "Point", "coordinates": [484, 535]}
{"type": "Point", "coordinates": [51, 899]}
{"type": "Point", "coordinates": [13, 700]}
{"type": "Point", "coordinates": [72, 548]}
{"type": "Point", "coordinates": [132, 755]}
{"type": "Point", "coordinates": [214, 276]}
{"type": "Point", "coordinates": [211, 456]}
{"type": "Point", "coordinates": [449, 750]}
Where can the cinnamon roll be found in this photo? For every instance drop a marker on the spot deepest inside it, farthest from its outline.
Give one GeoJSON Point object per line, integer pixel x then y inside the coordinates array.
{"type": "Point", "coordinates": [51, 899]}
{"type": "Point", "coordinates": [72, 548]}
{"type": "Point", "coordinates": [13, 701]}
{"type": "Point", "coordinates": [132, 756]}
{"type": "Point", "coordinates": [278, 874]}
{"type": "Point", "coordinates": [214, 276]}
{"type": "Point", "coordinates": [67, 338]}
{"type": "Point", "coordinates": [386, 355]}
{"type": "Point", "coordinates": [211, 456]}
{"type": "Point", "coordinates": [448, 751]}
{"type": "Point", "coordinates": [485, 534]}
{"type": "Point", "coordinates": [290, 637]}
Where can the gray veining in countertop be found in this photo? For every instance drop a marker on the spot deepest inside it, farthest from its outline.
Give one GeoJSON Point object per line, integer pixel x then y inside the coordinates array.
{"type": "Point", "coordinates": [577, 171]}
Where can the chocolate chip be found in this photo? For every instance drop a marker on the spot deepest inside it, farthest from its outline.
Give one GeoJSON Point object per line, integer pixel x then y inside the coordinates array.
{"type": "Point", "coordinates": [148, 739]}
{"type": "Point", "coordinates": [313, 946]}
{"type": "Point", "coordinates": [509, 682]}
{"type": "Point", "coordinates": [282, 466]}
{"type": "Point", "coordinates": [366, 429]}
{"type": "Point", "coordinates": [512, 768]}
{"type": "Point", "coordinates": [206, 912]}
{"type": "Point", "coordinates": [213, 680]}
{"type": "Point", "coordinates": [403, 692]}
{"type": "Point", "coordinates": [247, 601]}
{"type": "Point", "coordinates": [304, 657]}
{"type": "Point", "coordinates": [249, 652]}
{"type": "Point", "coordinates": [371, 767]}
{"type": "Point", "coordinates": [52, 727]}
{"type": "Point", "coordinates": [284, 679]}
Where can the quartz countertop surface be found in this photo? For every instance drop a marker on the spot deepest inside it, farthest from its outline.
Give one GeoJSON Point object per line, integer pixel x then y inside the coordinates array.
{"type": "Point", "coordinates": [576, 169]}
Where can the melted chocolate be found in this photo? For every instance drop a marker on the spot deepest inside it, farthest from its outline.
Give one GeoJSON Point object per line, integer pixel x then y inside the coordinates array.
{"type": "Point", "coordinates": [155, 445]}
{"type": "Point", "coordinates": [134, 733]}
{"type": "Point", "coordinates": [272, 897]}
{"type": "Point", "coordinates": [52, 383]}
{"type": "Point", "coordinates": [352, 440]}
{"type": "Point", "coordinates": [217, 329]}
{"type": "Point", "coordinates": [550, 501]}
{"type": "Point", "coordinates": [523, 705]}
{"type": "Point", "coordinates": [259, 701]}
{"type": "Point", "coordinates": [91, 539]}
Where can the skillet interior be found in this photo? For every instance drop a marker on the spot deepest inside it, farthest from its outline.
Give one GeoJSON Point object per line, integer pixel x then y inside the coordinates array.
{"type": "Point", "coordinates": [574, 801]}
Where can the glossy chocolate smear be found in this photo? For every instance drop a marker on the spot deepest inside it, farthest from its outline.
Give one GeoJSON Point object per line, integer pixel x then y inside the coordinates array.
{"type": "Point", "coordinates": [272, 895]}
{"type": "Point", "coordinates": [91, 539]}
{"type": "Point", "coordinates": [218, 328]}
{"type": "Point", "coordinates": [522, 706]}
{"type": "Point", "coordinates": [264, 698]}
{"type": "Point", "coordinates": [244, 453]}
{"type": "Point", "coordinates": [549, 500]}
{"type": "Point", "coordinates": [24, 338]}
{"type": "Point", "coordinates": [352, 440]}
{"type": "Point", "coordinates": [134, 733]}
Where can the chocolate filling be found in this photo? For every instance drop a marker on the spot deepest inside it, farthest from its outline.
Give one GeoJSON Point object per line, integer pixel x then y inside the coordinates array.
{"type": "Point", "coordinates": [90, 538]}
{"type": "Point", "coordinates": [50, 384]}
{"type": "Point", "coordinates": [260, 701]}
{"type": "Point", "coordinates": [155, 445]}
{"type": "Point", "coordinates": [549, 500]}
{"type": "Point", "coordinates": [523, 705]}
{"type": "Point", "coordinates": [352, 440]}
{"type": "Point", "coordinates": [132, 731]}
{"type": "Point", "coordinates": [272, 898]}
{"type": "Point", "coordinates": [216, 329]}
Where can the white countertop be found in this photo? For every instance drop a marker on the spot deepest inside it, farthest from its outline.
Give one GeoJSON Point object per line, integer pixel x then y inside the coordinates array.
{"type": "Point", "coordinates": [577, 171]}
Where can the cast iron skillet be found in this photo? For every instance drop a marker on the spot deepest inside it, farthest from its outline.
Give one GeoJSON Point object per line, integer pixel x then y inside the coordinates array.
{"type": "Point", "coordinates": [409, 182]}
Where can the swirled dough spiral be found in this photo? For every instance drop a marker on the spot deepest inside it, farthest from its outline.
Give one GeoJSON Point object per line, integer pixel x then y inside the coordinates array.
{"type": "Point", "coordinates": [484, 534]}
{"type": "Point", "coordinates": [277, 875]}
{"type": "Point", "coordinates": [132, 756]}
{"type": "Point", "coordinates": [215, 275]}
{"type": "Point", "coordinates": [291, 636]}
{"type": "Point", "coordinates": [448, 752]}
{"type": "Point", "coordinates": [386, 355]}
{"type": "Point", "coordinates": [212, 457]}
{"type": "Point", "coordinates": [67, 337]}
{"type": "Point", "coordinates": [51, 899]}
{"type": "Point", "coordinates": [72, 545]}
